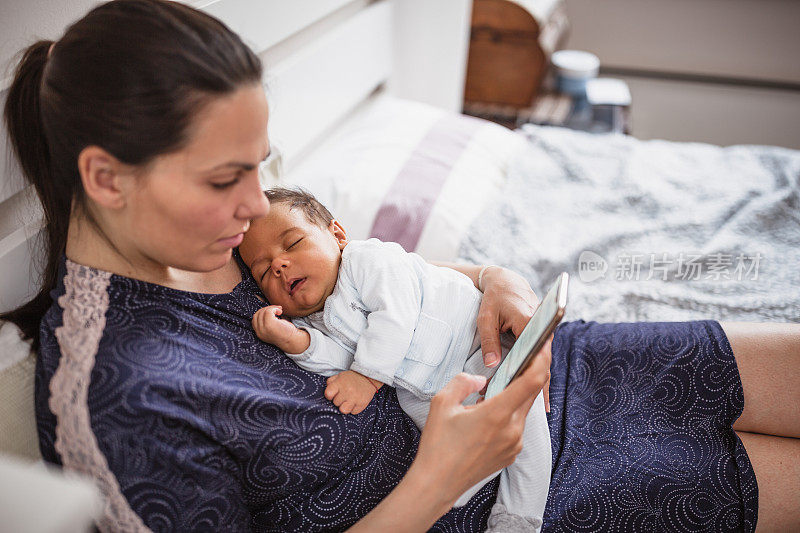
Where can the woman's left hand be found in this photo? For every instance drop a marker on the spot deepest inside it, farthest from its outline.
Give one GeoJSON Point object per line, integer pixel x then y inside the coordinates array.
{"type": "Point", "coordinates": [508, 304]}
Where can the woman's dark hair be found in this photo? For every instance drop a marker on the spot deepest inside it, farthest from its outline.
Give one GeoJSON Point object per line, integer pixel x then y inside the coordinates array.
{"type": "Point", "coordinates": [128, 77]}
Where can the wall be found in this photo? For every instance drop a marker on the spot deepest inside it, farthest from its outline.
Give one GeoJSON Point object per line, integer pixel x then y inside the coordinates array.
{"type": "Point", "coordinates": [719, 71]}
{"type": "Point", "coordinates": [430, 53]}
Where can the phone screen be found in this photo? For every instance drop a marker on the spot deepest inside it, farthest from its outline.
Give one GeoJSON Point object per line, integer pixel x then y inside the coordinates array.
{"type": "Point", "coordinates": [533, 337]}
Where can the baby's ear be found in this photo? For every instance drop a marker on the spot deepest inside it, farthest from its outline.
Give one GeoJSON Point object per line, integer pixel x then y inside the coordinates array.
{"type": "Point", "coordinates": [338, 231]}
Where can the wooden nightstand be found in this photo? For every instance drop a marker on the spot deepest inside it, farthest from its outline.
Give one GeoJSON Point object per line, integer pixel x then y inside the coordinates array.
{"type": "Point", "coordinates": [511, 42]}
{"type": "Point", "coordinates": [508, 67]}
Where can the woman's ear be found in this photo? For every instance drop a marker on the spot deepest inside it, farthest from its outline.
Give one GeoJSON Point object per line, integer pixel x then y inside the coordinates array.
{"type": "Point", "coordinates": [338, 231]}
{"type": "Point", "coordinates": [103, 177]}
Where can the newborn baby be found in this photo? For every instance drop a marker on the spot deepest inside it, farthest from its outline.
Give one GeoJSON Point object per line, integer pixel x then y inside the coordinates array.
{"type": "Point", "coordinates": [368, 314]}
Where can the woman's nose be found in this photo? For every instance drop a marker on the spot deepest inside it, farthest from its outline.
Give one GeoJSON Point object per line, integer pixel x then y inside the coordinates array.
{"type": "Point", "coordinates": [254, 203]}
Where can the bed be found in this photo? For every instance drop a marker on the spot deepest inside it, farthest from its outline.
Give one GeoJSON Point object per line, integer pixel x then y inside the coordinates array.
{"type": "Point", "coordinates": [364, 118]}
{"type": "Point", "coordinates": [648, 230]}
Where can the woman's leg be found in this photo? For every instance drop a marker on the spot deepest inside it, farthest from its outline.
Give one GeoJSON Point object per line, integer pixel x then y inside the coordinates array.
{"type": "Point", "coordinates": [768, 357]}
{"type": "Point", "coordinates": [776, 462]}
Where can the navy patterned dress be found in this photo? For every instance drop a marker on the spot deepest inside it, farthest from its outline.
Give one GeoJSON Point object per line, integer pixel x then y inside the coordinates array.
{"type": "Point", "coordinates": [640, 422]}
{"type": "Point", "coordinates": [188, 422]}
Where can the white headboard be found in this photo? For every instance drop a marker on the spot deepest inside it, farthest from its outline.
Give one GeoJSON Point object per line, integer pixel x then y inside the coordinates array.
{"type": "Point", "coordinates": [323, 59]}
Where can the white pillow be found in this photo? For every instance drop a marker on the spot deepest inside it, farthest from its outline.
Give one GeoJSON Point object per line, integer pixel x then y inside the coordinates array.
{"type": "Point", "coordinates": [40, 499]}
{"type": "Point", "coordinates": [411, 173]}
{"type": "Point", "coordinates": [18, 435]}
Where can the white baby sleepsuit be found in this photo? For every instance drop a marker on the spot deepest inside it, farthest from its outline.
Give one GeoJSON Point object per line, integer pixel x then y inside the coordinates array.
{"type": "Point", "coordinates": [396, 318]}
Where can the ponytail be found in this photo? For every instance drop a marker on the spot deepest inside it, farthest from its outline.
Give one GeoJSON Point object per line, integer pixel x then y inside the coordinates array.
{"type": "Point", "coordinates": [24, 122]}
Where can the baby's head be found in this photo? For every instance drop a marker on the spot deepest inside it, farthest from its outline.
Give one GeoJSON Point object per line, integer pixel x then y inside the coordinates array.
{"type": "Point", "coordinates": [294, 252]}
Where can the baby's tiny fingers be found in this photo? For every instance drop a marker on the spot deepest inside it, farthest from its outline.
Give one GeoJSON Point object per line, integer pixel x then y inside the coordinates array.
{"type": "Point", "coordinates": [366, 402]}
{"type": "Point", "coordinates": [331, 391]}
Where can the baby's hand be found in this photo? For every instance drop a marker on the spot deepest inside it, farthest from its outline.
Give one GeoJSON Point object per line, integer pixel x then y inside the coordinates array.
{"type": "Point", "coordinates": [272, 329]}
{"type": "Point", "coordinates": [350, 391]}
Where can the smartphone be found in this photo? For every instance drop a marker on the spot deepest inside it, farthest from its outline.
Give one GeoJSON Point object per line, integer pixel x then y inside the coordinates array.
{"type": "Point", "coordinates": [530, 341]}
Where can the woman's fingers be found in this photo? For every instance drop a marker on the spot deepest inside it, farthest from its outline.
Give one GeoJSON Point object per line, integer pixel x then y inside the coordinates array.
{"type": "Point", "coordinates": [521, 392]}
{"type": "Point", "coordinates": [461, 386]}
{"type": "Point", "coordinates": [461, 445]}
{"type": "Point", "coordinates": [489, 331]}
{"type": "Point", "coordinates": [546, 390]}
{"type": "Point", "coordinates": [508, 303]}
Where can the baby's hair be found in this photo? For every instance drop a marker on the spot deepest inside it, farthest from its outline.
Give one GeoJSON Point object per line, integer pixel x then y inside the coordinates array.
{"type": "Point", "coordinates": [315, 212]}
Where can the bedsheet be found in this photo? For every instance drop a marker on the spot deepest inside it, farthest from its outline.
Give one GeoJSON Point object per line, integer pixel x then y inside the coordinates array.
{"type": "Point", "coordinates": [649, 230]}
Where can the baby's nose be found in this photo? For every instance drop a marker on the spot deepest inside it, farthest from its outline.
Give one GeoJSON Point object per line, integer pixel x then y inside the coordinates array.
{"type": "Point", "coordinates": [278, 265]}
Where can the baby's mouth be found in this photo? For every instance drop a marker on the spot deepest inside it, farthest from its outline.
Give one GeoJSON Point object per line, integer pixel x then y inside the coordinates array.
{"type": "Point", "coordinates": [293, 285]}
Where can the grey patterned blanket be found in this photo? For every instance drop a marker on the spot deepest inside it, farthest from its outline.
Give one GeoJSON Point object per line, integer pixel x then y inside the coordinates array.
{"type": "Point", "coordinates": [649, 230]}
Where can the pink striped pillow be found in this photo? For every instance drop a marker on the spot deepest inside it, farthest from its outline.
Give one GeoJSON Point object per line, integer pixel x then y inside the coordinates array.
{"type": "Point", "coordinates": [410, 173]}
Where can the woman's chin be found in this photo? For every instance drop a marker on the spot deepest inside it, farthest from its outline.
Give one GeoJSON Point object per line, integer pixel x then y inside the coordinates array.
{"type": "Point", "coordinates": [207, 262]}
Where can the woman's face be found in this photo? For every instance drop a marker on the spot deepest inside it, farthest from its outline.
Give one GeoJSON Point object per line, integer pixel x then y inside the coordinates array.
{"type": "Point", "coordinates": [191, 208]}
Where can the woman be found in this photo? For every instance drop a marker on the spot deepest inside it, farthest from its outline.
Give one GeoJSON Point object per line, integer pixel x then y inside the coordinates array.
{"type": "Point", "coordinates": [144, 152]}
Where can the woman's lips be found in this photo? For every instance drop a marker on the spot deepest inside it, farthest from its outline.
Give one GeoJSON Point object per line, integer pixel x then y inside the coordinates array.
{"type": "Point", "coordinates": [232, 242]}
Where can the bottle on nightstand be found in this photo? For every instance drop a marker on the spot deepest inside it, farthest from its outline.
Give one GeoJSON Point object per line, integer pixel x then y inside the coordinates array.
{"type": "Point", "coordinates": [610, 101]}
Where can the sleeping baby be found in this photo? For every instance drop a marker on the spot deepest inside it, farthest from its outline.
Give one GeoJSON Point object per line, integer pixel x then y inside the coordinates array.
{"type": "Point", "coordinates": [369, 314]}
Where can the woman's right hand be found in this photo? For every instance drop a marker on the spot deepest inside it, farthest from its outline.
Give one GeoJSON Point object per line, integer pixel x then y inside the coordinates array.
{"type": "Point", "coordinates": [461, 445]}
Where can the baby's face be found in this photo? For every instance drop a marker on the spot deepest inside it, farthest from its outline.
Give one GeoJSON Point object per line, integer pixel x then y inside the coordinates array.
{"type": "Point", "coordinates": [294, 261]}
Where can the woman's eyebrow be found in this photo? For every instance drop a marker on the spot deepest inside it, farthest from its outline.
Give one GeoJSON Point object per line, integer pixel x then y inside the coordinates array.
{"type": "Point", "coordinates": [235, 164]}
{"type": "Point", "coordinates": [241, 164]}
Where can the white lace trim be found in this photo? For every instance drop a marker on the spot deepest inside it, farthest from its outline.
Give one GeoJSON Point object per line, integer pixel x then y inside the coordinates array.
{"type": "Point", "coordinates": [85, 302]}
